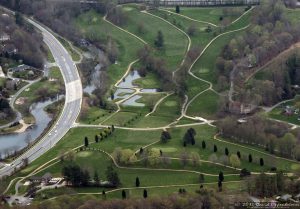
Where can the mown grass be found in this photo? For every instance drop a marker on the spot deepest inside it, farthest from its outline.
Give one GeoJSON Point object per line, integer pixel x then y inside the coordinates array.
{"type": "Point", "coordinates": [209, 14]}
{"type": "Point", "coordinates": [150, 81]}
{"type": "Point", "coordinates": [205, 105]}
{"type": "Point", "coordinates": [205, 67]}
{"type": "Point", "coordinates": [175, 42]}
{"type": "Point", "coordinates": [278, 112]}
{"type": "Point", "coordinates": [93, 26]}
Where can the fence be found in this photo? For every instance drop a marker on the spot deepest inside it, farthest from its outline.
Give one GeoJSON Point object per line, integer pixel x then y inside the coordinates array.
{"type": "Point", "coordinates": [194, 3]}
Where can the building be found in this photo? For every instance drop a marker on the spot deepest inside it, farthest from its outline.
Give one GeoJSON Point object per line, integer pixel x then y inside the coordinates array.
{"type": "Point", "coordinates": [19, 68]}
{"type": "Point", "coordinates": [4, 37]}
{"type": "Point", "coordinates": [240, 108]}
{"type": "Point", "coordinates": [46, 178]}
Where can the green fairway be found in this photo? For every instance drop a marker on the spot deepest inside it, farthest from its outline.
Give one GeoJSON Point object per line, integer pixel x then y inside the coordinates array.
{"type": "Point", "coordinates": [210, 14]}
{"type": "Point", "coordinates": [205, 67]}
{"type": "Point", "coordinates": [205, 105]}
{"type": "Point", "coordinates": [94, 27]}
{"type": "Point", "coordinates": [175, 42]}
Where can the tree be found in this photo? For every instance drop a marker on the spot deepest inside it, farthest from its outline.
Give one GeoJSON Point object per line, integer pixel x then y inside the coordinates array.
{"type": "Point", "coordinates": [85, 178]}
{"type": "Point", "coordinates": [192, 29]}
{"type": "Point", "coordinates": [203, 144]}
{"type": "Point", "coordinates": [189, 136]}
{"type": "Point", "coordinates": [112, 176]}
{"type": "Point", "coordinates": [215, 148]}
{"type": "Point", "coordinates": [127, 156]}
{"type": "Point", "coordinates": [238, 154]}
{"type": "Point", "coordinates": [184, 158]}
{"type": "Point", "coordinates": [244, 172]}
{"type": "Point", "coordinates": [96, 178]}
{"type": "Point", "coordinates": [96, 138]}
{"type": "Point", "coordinates": [220, 186]}
{"type": "Point", "coordinates": [235, 161]}
{"type": "Point", "coordinates": [221, 176]}
{"type": "Point", "coordinates": [154, 156]}
{"type": "Point", "coordinates": [261, 162]}
{"type": "Point", "coordinates": [159, 41]}
{"type": "Point", "coordinates": [86, 142]}
{"type": "Point", "coordinates": [226, 151]}
{"type": "Point", "coordinates": [250, 158]}
{"type": "Point", "coordinates": [201, 178]}
{"type": "Point", "coordinates": [177, 9]}
{"type": "Point", "coordinates": [117, 154]}
{"type": "Point", "coordinates": [165, 136]}
{"type": "Point", "coordinates": [145, 194]}
{"type": "Point", "coordinates": [123, 194]}
{"type": "Point", "coordinates": [137, 182]}
{"type": "Point", "coordinates": [195, 158]}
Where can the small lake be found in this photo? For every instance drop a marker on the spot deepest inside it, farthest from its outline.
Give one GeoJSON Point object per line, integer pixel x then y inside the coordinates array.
{"type": "Point", "coordinates": [132, 101]}
{"type": "Point", "coordinates": [94, 80]}
{"type": "Point", "coordinates": [12, 142]}
{"type": "Point", "coordinates": [124, 90]}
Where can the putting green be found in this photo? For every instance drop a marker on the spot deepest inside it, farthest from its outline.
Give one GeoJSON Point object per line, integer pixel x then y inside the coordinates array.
{"type": "Point", "coordinates": [84, 154]}
{"type": "Point", "coordinates": [170, 103]}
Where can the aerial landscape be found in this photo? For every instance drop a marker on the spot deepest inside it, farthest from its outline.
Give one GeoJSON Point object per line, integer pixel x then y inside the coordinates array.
{"type": "Point", "coordinates": [180, 104]}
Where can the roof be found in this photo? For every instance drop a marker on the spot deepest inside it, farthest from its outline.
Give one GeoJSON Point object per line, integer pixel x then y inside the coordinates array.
{"type": "Point", "coordinates": [47, 176]}
{"type": "Point", "coordinates": [286, 196]}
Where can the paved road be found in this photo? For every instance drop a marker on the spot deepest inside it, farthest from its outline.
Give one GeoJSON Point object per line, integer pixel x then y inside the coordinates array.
{"type": "Point", "coordinates": [72, 104]}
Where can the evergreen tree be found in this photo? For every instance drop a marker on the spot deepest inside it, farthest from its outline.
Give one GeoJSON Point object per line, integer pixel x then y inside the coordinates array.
{"type": "Point", "coordinates": [221, 176]}
{"type": "Point", "coordinates": [177, 9]}
{"type": "Point", "coordinates": [103, 194]}
{"type": "Point", "coordinates": [85, 178]}
{"type": "Point", "coordinates": [250, 158]}
{"type": "Point", "coordinates": [86, 142]}
{"type": "Point", "coordinates": [165, 136]}
{"type": "Point", "coordinates": [220, 186]}
{"type": "Point", "coordinates": [137, 182]}
{"type": "Point", "coordinates": [226, 151]}
{"type": "Point", "coordinates": [203, 144]}
{"type": "Point", "coordinates": [159, 41]}
{"type": "Point", "coordinates": [261, 162]}
{"type": "Point", "coordinates": [96, 138]}
{"type": "Point", "coordinates": [112, 176]}
{"type": "Point", "coordinates": [238, 154]}
{"type": "Point", "coordinates": [201, 178]}
{"type": "Point", "coordinates": [145, 195]}
{"type": "Point", "coordinates": [96, 178]}
{"type": "Point", "coordinates": [123, 194]}
{"type": "Point", "coordinates": [215, 148]}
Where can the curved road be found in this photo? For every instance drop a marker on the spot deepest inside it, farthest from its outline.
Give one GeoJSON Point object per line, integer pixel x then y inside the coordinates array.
{"type": "Point", "coordinates": [72, 103]}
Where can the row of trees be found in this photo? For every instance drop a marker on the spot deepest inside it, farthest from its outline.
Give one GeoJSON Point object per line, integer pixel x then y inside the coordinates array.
{"type": "Point", "coordinates": [273, 136]}
{"type": "Point", "coordinates": [76, 176]}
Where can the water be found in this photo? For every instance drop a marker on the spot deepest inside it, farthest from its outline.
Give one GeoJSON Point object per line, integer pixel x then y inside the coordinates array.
{"type": "Point", "coordinates": [122, 93]}
{"type": "Point", "coordinates": [127, 82]}
{"type": "Point", "coordinates": [132, 101]}
{"type": "Point", "coordinates": [12, 142]}
{"type": "Point", "coordinates": [94, 80]}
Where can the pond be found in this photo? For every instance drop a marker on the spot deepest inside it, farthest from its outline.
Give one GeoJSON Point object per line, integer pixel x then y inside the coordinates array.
{"type": "Point", "coordinates": [12, 142]}
{"type": "Point", "coordinates": [125, 88]}
{"type": "Point", "coordinates": [94, 80]}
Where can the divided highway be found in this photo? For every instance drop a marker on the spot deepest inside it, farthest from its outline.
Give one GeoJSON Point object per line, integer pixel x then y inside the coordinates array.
{"type": "Point", "coordinates": [71, 108]}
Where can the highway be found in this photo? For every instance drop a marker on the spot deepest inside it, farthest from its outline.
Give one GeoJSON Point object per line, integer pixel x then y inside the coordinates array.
{"type": "Point", "coordinates": [71, 108]}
